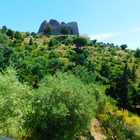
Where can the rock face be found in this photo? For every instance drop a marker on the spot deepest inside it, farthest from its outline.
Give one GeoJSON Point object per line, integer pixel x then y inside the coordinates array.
{"type": "Point", "coordinates": [56, 27]}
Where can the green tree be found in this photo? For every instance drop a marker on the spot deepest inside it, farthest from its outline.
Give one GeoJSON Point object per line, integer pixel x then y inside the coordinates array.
{"type": "Point", "coordinates": [54, 64]}
{"type": "Point", "coordinates": [48, 31]}
{"type": "Point", "coordinates": [14, 102]}
{"type": "Point", "coordinates": [77, 58]}
{"type": "Point", "coordinates": [4, 41]}
{"type": "Point", "coordinates": [61, 111]}
{"type": "Point", "coordinates": [7, 54]}
{"type": "Point", "coordinates": [137, 53]}
{"type": "Point", "coordinates": [53, 54]}
{"type": "Point", "coordinates": [53, 42]}
{"type": "Point", "coordinates": [123, 46]}
{"type": "Point", "coordinates": [124, 88]}
{"type": "Point", "coordinates": [80, 42]}
{"type": "Point", "coordinates": [30, 41]}
{"type": "Point", "coordinates": [105, 69]}
{"type": "Point", "coordinates": [132, 74]}
{"type": "Point", "coordinates": [50, 44]}
{"type": "Point", "coordinates": [17, 35]}
{"type": "Point", "coordinates": [64, 31]}
{"type": "Point", "coordinates": [4, 29]}
{"type": "Point", "coordinates": [10, 33]}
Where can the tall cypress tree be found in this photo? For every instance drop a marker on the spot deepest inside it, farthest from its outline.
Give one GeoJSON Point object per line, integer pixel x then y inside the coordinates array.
{"type": "Point", "coordinates": [124, 88]}
{"type": "Point", "coordinates": [133, 74]}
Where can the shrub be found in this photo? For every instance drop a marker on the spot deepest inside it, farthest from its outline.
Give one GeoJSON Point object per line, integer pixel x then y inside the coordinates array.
{"type": "Point", "coordinates": [14, 103]}
{"type": "Point", "coordinates": [117, 128]}
{"type": "Point", "coordinates": [17, 35]}
{"type": "Point", "coordinates": [83, 74]}
{"type": "Point", "coordinates": [137, 53]}
{"type": "Point", "coordinates": [80, 42]}
{"type": "Point", "coordinates": [52, 43]}
{"type": "Point", "coordinates": [62, 109]}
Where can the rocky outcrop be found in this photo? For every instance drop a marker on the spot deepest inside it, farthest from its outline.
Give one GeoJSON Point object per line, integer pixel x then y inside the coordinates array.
{"type": "Point", "coordinates": [54, 22]}
{"type": "Point", "coordinates": [43, 24]}
{"type": "Point", "coordinates": [56, 27]}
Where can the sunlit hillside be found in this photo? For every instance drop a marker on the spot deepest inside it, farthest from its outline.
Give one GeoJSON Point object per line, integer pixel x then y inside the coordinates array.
{"type": "Point", "coordinates": [67, 87]}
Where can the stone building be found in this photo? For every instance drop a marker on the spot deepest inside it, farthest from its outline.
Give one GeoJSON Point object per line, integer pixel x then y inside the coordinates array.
{"type": "Point", "coordinates": [56, 27]}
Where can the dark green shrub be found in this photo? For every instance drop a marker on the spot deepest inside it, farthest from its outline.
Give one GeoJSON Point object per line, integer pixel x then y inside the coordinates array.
{"type": "Point", "coordinates": [123, 46]}
{"type": "Point", "coordinates": [84, 75]}
{"type": "Point", "coordinates": [54, 65]}
{"type": "Point", "coordinates": [17, 35]}
{"type": "Point", "coordinates": [137, 53]}
{"type": "Point", "coordinates": [10, 33]}
{"type": "Point", "coordinates": [80, 42]}
{"type": "Point", "coordinates": [52, 43]}
{"type": "Point", "coordinates": [53, 54]}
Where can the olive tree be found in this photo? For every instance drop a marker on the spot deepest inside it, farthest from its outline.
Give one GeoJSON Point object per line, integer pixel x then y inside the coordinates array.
{"type": "Point", "coordinates": [62, 109]}
{"type": "Point", "coordinates": [80, 42]}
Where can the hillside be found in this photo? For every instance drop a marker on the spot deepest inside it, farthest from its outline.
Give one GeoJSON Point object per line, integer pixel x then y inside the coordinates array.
{"type": "Point", "coordinates": [67, 87]}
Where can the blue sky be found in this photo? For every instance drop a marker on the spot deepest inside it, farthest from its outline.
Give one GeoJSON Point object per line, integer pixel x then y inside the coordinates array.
{"type": "Point", "coordinates": [109, 21]}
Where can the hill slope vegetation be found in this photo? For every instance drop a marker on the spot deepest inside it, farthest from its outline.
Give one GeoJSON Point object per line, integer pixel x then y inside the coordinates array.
{"type": "Point", "coordinates": [53, 87]}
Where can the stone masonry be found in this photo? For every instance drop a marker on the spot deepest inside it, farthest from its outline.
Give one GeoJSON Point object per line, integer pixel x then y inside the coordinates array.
{"type": "Point", "coordinates": [56, 27]}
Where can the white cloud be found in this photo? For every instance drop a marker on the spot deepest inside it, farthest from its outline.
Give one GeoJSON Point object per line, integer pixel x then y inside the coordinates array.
{"type": "Point", "coordinates": [104, 36]}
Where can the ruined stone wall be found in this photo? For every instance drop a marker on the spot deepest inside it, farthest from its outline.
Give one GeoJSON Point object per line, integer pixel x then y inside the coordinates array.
{"type": "Point", "coordinates": [56, 27]}
{"type": "Point", "coordinates": [74, 27]}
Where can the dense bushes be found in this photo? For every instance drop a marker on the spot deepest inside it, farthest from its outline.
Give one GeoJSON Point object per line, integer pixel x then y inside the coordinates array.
{"type": "Point", "coordinates": [120, 125]}
{"type": "Point", "coordinates": [14, 103]}
{"type": "Point", "coordinates": [61, 108]}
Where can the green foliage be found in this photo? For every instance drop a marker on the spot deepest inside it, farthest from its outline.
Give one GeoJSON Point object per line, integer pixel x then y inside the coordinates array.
{"type": "Point", "coordinates": [7, 55]}
{"type": "Point", "coordinates": [105, 69]}
{"type": "Point", "coordinates": [137, 53]}
{"type": "Point", "coordinates": [61, 111]}
{"type": "Point", "coordinates": [4, 29]}
{"type": "Point", "coordinates": [33, 34]}
{"type": "Point", "coordinates": [84, 75]}
{"type": "Point", "coordinates": [14, 103]}
{"type": "Point", "coordinates": [47, 30]}
{"type": "Point", "coordinates": [54, 64]}
{"type": "Point", "coordinates": [79, 57]}
{"type": "Point", "coordinates": [64, 31]}
{"type": "Point", "coordinates": [10, 33]}
{"type": "Point", "coordinates": [52, 43]}
{"type": "Point", "coordinates": [116, 128]}
{"type": "Point", "coordinates": [80, 41]}
{"type": "Point", "coordinates": [103, 64]}
{"type": "Point", "coordinates": [30, 41]}
{"type": "Point", "coordinates": [53, 54]}
{"type": "Point", "coordinates": [123, 46]}
{"type": "Point", "coordinates": [17, 35]}
{"type": "Point", "coordinates": [33, 71]}
{"type": "Point", "coordinates": [67, 41]}
{"type": "Point", "coordinates": [122, 89]}
{"type": "Point", "coordinates": [4, 41]}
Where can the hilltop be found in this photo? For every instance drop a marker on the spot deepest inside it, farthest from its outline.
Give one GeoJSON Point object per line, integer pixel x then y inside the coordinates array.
{"type": "Point", "coordinates": [67, 87]}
